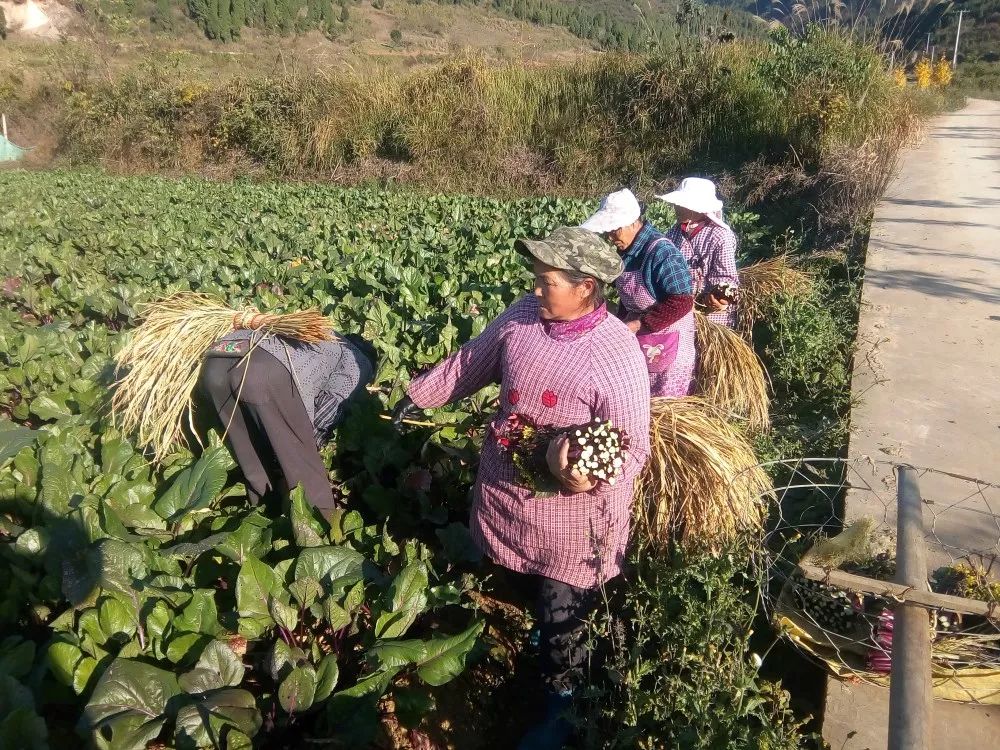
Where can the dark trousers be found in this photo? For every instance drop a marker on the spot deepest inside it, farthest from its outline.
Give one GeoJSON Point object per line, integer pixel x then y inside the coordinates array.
{"type": "Point", "coordinates": [266, 426]}
{"type": "Point", "coordinates": [562, 611]}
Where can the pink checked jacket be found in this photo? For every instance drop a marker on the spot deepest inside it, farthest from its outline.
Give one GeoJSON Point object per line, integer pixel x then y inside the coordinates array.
{"type": "Point", "coordinates": [558, 374]}
{"type": "Point", "coordinates": [711, 253]}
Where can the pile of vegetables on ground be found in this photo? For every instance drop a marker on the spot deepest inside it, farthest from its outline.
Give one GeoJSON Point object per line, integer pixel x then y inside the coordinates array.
{"type": "Point", "coordinates": [144, 605]}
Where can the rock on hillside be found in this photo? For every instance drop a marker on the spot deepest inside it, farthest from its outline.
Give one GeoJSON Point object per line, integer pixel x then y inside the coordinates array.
{"type": "Point", "coordinates": [37, 18]}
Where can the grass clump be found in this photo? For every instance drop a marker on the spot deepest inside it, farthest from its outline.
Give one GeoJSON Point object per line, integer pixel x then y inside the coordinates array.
{"type": "Point", "coordinates": [730, 376]}
{"type": "Point", "coordinates": [817, 114]}
{"type": "Point", "coordinates": [701, 485]}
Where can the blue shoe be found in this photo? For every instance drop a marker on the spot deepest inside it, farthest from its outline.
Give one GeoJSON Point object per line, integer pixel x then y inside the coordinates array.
{"type": "Point", "coordinates": [555, 729]}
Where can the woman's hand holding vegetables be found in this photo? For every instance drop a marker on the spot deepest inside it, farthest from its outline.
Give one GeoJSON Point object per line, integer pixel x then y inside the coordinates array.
{"type": "Point", "coordinates": [557, 457]}
{"type": "Point", "coordinates": [715, 302]}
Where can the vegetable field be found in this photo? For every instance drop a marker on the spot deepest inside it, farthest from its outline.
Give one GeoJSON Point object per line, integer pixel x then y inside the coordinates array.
{"type": "Point", "coordinates": [152, 606]}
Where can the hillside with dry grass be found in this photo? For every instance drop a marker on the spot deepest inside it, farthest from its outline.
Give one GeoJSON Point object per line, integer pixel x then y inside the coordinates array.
{"type": "Point", "coordinates": [428, 32]}
{"type": "Point", "coordinates": [816, 114]}
{"type": "Point", "coordinates": [907, 30]}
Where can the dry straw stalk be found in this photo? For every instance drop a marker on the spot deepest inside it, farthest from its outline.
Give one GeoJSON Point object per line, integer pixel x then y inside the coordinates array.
{"type": "Point", "coordinates": [761, 283]}
{"type": "Point", "coordinates": [730, 376]}
{"type": "Point", "coordinates": [159, 366]}
{"type": "Point", "coordinates": [702, 485]}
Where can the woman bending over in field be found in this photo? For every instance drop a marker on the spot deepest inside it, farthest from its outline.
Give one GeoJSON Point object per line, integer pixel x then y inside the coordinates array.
{"type": "Point", "coordinates": [561, 361]}
{"type": "Point", "coordinates": [655, 292]}
{"type": "Point", "coordinates": [278, 400]}
{"type": "Point", "coordinates": [709, 246]}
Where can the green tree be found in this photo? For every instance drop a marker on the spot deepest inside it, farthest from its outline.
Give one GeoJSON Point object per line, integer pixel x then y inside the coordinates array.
{"type": "Point", "coordinates": [345, 15]}
{"type": "Point", "coordinates": [396, 36]}
{"type": "Point", "coordinates": [223, 21]}
{"type": "Point", "coordinates": [203, 12]}
{"type": "Point", "coordinates": [269, 15]}
{"type": "Point", "coordinates": [254, 13]}
{"type": "Point", "coordinates": [287, 10]}
{"type": "Point", "coordinates": [3, 25]}
{"type": "Point", "coordinates": [239, 16]}
{"type": "Point", "coordinates": [162, 17]}
{"type": "Point", "coordinates": [312, 14]}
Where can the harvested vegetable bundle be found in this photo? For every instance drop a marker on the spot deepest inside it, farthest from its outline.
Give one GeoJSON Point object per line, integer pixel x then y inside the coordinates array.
{"type": "Point", "coordinates": [163, 357]}
{"type": "Point", "coordinates": [826, 605]}
{"type": "Point", "coordinates": [761, 283]}
{"type": "Point", "coordinates": [880, 654]}
{"type": "Point", "coordinates": [729, 375]}
{"type": "Point", "coordinates": [597, 450]}
{"type": "Point", "coordinates": [702, 483]}
{"type": "Point", "coordinates": [727, 291]}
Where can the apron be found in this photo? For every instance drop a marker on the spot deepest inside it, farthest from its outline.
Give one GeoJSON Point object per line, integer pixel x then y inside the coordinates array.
{"type": "Point", "coordinates": [669, 353]}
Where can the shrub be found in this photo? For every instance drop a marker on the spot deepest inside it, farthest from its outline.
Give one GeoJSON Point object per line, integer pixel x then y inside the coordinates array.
{"type": "Point", "coordinates": [942, 72]}
{"type": "Point", "coordinates": [680, 672]}
{"type": "Point", "coordinates": [818, 114]}
{"type": "Point", "coordinates": [923, 72]}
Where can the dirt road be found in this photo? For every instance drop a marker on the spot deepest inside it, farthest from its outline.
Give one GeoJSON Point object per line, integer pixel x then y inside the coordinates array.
{"type": "Point", "coordinates": [927, 376]}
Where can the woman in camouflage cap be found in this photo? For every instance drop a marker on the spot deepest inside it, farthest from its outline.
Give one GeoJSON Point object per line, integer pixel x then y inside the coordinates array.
{"type": "Point", "coordinates": [561, 360]}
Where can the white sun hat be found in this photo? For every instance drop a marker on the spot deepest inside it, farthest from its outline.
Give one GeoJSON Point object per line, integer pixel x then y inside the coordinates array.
{"type": "Point", "coordinates": [616, 211]}
{"type": "Point", "coordinates": [697, 194]}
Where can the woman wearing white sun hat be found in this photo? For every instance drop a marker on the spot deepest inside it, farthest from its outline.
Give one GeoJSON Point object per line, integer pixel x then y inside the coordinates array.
{"type": "Point", "coordinates": [655, 292]}
{"type": "Point", "coordinates": [708, 244]}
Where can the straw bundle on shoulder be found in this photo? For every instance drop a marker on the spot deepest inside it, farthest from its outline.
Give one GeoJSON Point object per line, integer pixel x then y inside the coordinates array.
{"type": "Point", "coordinates": [159, 366]}
{"type": "Point", "coordinates": [729, 375]}
{"type": "Point", "coordinates": [761, 283]}
{"type": "Point", "coordinates": [702, 484]}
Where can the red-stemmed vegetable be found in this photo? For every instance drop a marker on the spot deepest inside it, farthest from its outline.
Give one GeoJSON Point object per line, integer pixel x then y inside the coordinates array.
{"type": "Point", "coordinates": [598, 450]}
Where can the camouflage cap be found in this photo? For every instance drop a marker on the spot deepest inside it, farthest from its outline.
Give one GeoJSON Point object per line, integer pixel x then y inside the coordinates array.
{"type": "Point", "coordinates": [575, 249]}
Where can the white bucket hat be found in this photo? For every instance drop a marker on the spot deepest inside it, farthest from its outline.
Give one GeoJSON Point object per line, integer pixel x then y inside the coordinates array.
{"type": "Point", "coordinates": [616, 211]}
{"type": "Point", "coordinates": [697, 194]}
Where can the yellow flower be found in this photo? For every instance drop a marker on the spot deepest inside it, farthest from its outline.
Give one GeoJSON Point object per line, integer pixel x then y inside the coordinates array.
{"type": "Point", "coordinates": [190, 92]}
{"type": "Point", "coordinates": [922, 70]}
{"type": "Point", "coordinates": [899, 76]}
{"type": "Point", "coordinates": [942, 72]}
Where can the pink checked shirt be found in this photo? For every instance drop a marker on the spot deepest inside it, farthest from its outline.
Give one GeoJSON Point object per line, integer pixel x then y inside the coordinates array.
{"type": "Point", "coordinates": [711, 253]}
{"type": "Point", "coordinates": [561, 380]}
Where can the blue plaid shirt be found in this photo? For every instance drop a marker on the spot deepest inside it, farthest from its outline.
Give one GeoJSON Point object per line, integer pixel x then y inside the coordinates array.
{"type": "Point", "coordinates": [663, 269]}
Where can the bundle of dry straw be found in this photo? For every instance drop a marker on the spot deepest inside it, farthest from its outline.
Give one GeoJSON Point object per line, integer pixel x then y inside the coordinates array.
{"type": "Point", "coordinates": [158, 368]}
{"type": "Point", "coordinates": [761, 283]}
{"type": "Point", "coordinates": [702, 484]}
{"type": "Point", "coordinates": [730, 376]}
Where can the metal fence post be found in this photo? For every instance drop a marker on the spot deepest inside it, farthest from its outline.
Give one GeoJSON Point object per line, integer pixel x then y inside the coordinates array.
{"type": "Point", "coordinates": [910, 681]}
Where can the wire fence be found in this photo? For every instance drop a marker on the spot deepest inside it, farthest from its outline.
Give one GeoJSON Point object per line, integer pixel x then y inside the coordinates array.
{"type": "Point", "coordinates": [829, 567]}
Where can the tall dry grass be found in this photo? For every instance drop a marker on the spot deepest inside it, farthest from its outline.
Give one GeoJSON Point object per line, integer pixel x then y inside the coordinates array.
{"type": "Point", "coordinates": [822, 111]}
{"type": "Point", "coordinates": [702, 486]}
